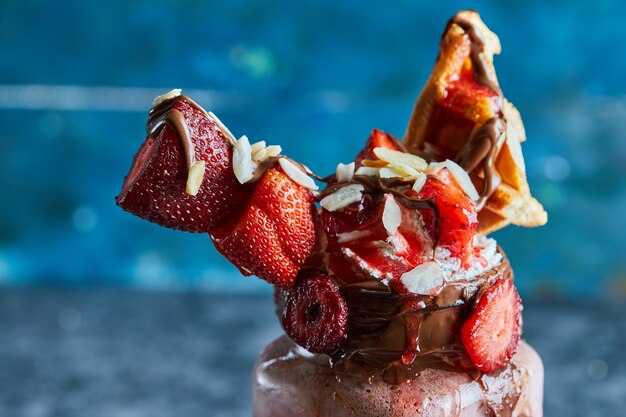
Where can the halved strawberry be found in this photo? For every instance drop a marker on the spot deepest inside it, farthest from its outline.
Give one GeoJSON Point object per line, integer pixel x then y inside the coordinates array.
{"type": "Point", "coordinates": [316, 314]}
{"type": "Point", "coordinates": [378, 139]}
{"type": "Point", "coordinates": [275, 233]}
{"type": "Point", "coordinates": [457, 221]}
{"type": "Point", "coordinates": [492, 332]}
{"type": "Point", "coordinates": [154, 189]}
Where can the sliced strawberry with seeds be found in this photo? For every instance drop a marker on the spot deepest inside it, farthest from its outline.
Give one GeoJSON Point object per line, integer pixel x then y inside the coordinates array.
{"type": "Point", "coordinates": [492, 332]}
{"type": "Point", "coordinates": [378, 139]}
{"type": "Point", "coordinates": [316, 314]}
{"type": "Point", "coordinates": [275, 234]}
{"type": "Point", "coordinates": [155, 187]}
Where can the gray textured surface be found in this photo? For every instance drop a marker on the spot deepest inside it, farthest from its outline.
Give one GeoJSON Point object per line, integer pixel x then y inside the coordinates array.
{"type": "Point", "coordinates": [125, 353]}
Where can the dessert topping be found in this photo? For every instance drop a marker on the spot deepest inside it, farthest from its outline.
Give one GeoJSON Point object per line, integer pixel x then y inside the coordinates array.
{"type": "Point", "coordinates": [275, 234]}
{"type": "Point", "coordinates": [316, 314]}
{"type": "Point", "coordinates": [163, 97]}
{"type": "Point", "coordinates": [297, 174]}
{"type": "Point", "coordinates": [243, 166]}
{"type": "Point", "coordinates": [392, 215]}
{"type": "Point", "coordinates": [425, 279]}
{"type": "Point", "coordinates": [344, 172]}
{"type": "Point", "coordinates": [195, 177]}
{"type": "Point", "coordinates": [492, 332]}
{"type": "Point", "coordinates": [343, 197]}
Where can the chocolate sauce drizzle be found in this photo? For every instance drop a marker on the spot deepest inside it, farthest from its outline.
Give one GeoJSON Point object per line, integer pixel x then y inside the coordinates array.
{"type": "Point", "coordinates": [482, 75]}
{"type": "Point", "coordinates": [382, 323]}
{"type": "Point", "coordinates": [485, 142]}
{"type": "Point", "coordinates": [481, 149]}
{"type": "Point", "coordinates": [164, 115]}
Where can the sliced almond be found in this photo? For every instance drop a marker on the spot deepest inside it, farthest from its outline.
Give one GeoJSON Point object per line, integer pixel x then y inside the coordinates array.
{"type": "Point", "coordinates": [259, 155]}
{"type": "Point", "coordinates": [195, 177]}
{"type": "Point", "coordinates": [419, 182]}
{"type": "Point", "coordinates": [392, 214]}
{"type": "Point", "coordinates": [296, 174]}
{"type": "Point", "coordinates": [350, 236]}
{"type": "Point", "coordinates": [243, 166]}
{"type": "Point", "coordinates": [367, 171]}
{"type": "Point", "coordinates": [344, 172]}
{"type": "Point", "coordinates": [343, 197]}
{"type": "Point", "coordinates": [390, 155]}
{"type": "Point", "coordinates": [434, 167]}
{"type": "Point", "coordinates": [424, 279]}
{"type": "Point", "coordinates": [388, 173]}
{"type": "Point", "coordinates": [377, 163]}
{"type": "Point", "coordinates": [403, 169]}
{"type": "Point", "coordinates": [170, 94]}
{"type": "Point", "coordinates": [257, 146]}
{"type": "Point", "coordinates": [462, 179]}
{"type": "Point", "coordinates": [222, 127]}
{"type": "Point", "coordinates": [272, 151]}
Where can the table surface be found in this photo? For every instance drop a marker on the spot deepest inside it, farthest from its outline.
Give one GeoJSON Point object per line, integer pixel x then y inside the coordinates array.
{"type": "Point", "coordinates": [103, 352]}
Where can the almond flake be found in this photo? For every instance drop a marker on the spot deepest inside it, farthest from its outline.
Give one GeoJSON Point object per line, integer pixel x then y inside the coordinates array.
{"type": "Point", "coordinates": [343, 197]}
{"type": "Point", "coordinates": [344, 172]}
{"type": "Point", "coordinates": [390, 155]}
{"type": "Point", "coordinates": [376, 163]}
{"type": "Point", "coordinates": [243, 166]}
{"type": "Point", "coordinates": [419, 182]}
{"type": "Point", "coordinates": [273, 150]}
{"type": "Point", "coordinates": [424, 279]}
{"type": "Point", "coordinates": [296, 174]}
{"type": "Point", "coordinates": [434, 167]}
{"type": "Point", "coordinates": [259, 155]}
{"type": "Point", "coordinates": [392, 215]}
{"type": "Point", "coordinates": [350, 236]}
{"type": "Point", "coordinates": [195, 177]}
{"type": "Point", "coordinates": [388, 173]}
{"type": "Point", "coordinates": [368, 171]}
{"type": "Point", "coordinates": [257, 146]}
{"type": "Point", "coordinates": [163, 97]}
{"type": "Point", "coordinates": [403, 169]}
{"type": "Point", "coordinates": [463, 180]}
{"type": "Point", "coordinates": [222, 127]}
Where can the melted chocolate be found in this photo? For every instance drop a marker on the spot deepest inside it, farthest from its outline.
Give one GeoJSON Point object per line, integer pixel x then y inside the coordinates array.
{"type": "Point", "coordinates": [481, 149]}
{"type": "Point", "coordinates": [482, 73]}
{"type": "Point", "coordinates": [394, 333]}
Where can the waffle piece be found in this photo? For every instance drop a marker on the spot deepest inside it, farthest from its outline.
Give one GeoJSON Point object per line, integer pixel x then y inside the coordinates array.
{"type": "Point", "coordinates": [462, 115]}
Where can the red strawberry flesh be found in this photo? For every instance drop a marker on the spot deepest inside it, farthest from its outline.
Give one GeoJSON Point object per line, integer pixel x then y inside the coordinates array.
{"type": "Point", "coordinates": [492, 332]}
{"type": "Point", "coordinates": [275, 234]}
{"type": "Point", "coordinates": [378, 139]}
{"type": "Point", "coordinates": [316, 314]}
{"type": "Point", "coordinates": [155, 187]}
{"type": "Point", "coordinates": [457, 220]}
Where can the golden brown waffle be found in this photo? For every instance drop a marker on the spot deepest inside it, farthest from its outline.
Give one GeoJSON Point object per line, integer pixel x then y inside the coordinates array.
{"type": "Point", "coordinates": [468, 46]}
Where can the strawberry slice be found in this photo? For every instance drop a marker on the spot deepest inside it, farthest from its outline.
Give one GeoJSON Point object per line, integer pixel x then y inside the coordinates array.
{"type": "Point", "coordinates": [316, 314]}
{"type": "Point", "coordinates": [457, 221]}
{"type": "Point", "coordinates": [275, 233]}
{"type": "Point", "coordinates": [378, 139]}
{"type": "Point", "coordinates": [492, 332]}
{"type": "Point", "coordinates": [154, 189]}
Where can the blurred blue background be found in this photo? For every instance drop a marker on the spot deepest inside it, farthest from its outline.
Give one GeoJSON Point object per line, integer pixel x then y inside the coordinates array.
{"type": "Point", "coordinates": [77, 79]}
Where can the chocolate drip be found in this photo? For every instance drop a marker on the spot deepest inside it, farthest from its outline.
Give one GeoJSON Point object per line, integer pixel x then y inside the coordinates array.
{"type": "Point", "coordinates": [482, 74]}
{"type": "Point", "coordinates": [388, 331]}
{"type": "Point", "coordinates": [481, 149]}
{"type": "Point", "coordinates": [164, 115]}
